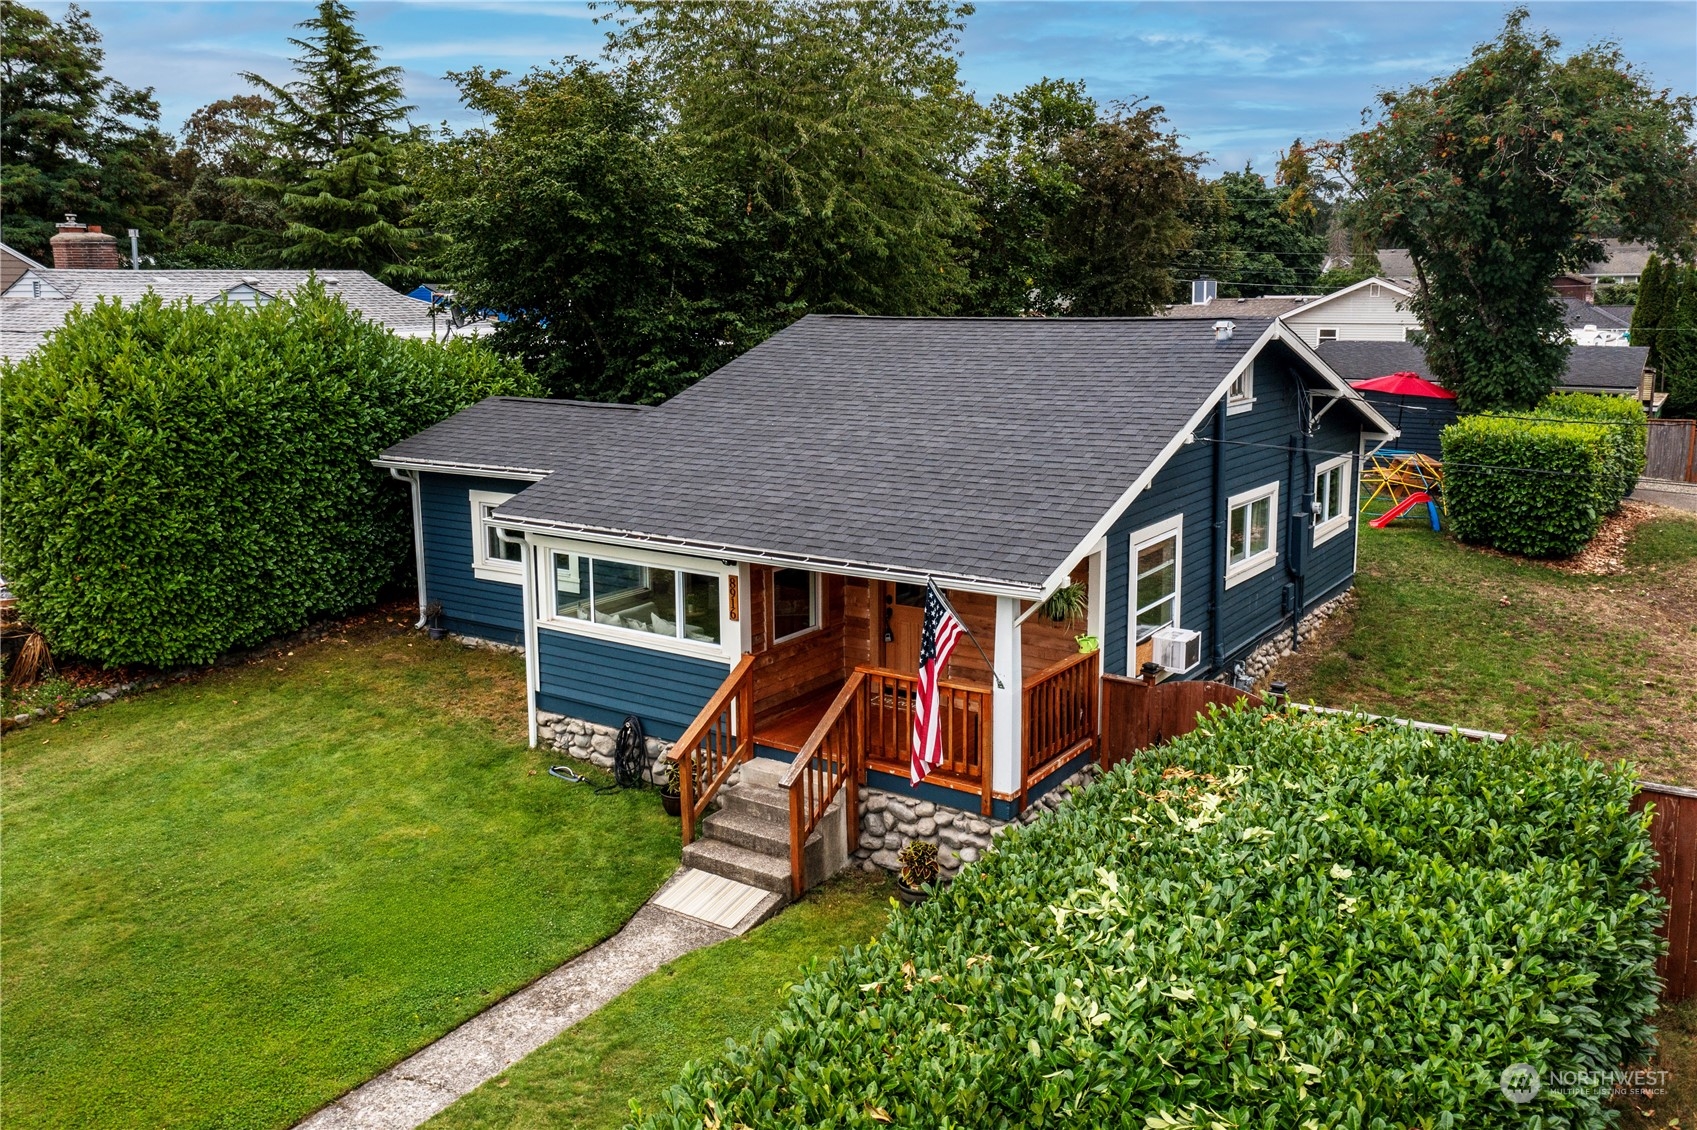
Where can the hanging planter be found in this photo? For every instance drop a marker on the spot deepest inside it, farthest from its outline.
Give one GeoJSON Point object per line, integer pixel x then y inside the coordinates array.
{"type": "Point", "coordinates": [1067, 604]}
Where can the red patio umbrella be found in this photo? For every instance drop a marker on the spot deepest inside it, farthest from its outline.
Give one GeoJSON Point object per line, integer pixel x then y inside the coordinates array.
{"type": "Point", "coordinates": [1403, 384]}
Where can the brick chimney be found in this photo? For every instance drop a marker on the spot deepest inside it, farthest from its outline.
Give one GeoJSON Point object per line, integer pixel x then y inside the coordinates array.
{"type": "Point", "coordinates": [81, 247]}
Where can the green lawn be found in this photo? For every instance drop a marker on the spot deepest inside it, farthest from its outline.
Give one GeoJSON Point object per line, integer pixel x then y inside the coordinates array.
{"type": "Point", "coordinates": [229, 901]}
{"type": "Point", "coordinates": [1448, 633]}
{"type": "Point", "coordinates": [634, 1048]}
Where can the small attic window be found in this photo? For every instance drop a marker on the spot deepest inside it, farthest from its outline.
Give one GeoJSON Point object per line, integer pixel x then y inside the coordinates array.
{"type": "Point", "coordinates": [1241, 396]}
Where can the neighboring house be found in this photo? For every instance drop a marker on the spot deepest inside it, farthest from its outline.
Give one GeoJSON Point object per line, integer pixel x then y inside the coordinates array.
{"type": "Point", "coordinates": [1590, 324]}
{"type": "Point", "coordinates": [1621, 263]}
{"type": "Point", "coordinates": [37, 299]}
{"type": "Point", "coordinates": [1371, 310]}
{"type": "Point", "coordinates": [13, 263]}
{"type": "Point", "coordinates": [766, 535]}
{"type": "Point", "coordinates": [1608, 372]}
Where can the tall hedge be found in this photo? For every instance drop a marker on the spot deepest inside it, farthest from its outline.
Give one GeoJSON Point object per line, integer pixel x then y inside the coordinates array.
{"type": "Point", "coordinates": [179, 480]}
{"type": "Point", "coordinates": [1540, 483]}
{"type": "Point", "coordinates": [1274, 922]}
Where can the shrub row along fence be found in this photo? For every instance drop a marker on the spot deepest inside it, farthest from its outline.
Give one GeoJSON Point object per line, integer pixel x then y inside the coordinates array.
{"type": "Point", "coordinates": [1137, 715]}
{"type": "Point", "coordinates": [1539, 483]}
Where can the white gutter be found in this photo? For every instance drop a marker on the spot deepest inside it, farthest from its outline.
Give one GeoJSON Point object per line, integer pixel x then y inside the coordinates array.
{"type": "Point", "coordinates": [411, 478]}
{"type": "Point", "coordinates": [443, 468]}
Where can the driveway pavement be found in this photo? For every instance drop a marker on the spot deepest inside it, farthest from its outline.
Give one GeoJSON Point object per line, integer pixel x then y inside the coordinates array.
{"type": "Point", "coordinates": [1680, 496]}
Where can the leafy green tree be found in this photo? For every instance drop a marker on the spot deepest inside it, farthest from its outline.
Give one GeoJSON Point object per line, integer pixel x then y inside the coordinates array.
{"type": "Point", "coordinates": [337, 181]}
{"type": "Point", "coordinates": [1023, 192]}
{"type": "Point", "coordinates": [826, 141]}
{"type": "Point", "coordinates": [1125, 226]}
{"type": "Point", "coordinates": [571, 214]}
{"type": "Point", "coordinates": [222, 140]}
{"type": "Point", "coordinates": [1676, 343]}
{"type": "Point", "coordinates": [73, 139]}
{"type": "Point", "coordinates": [1254, 237]}
{"type": "Point", "coordinates": [1506, 173]}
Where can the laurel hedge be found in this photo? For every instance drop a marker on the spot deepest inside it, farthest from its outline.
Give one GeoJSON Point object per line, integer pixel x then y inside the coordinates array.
{"type": "Point", "coordinates": [1540, 483]}
{"type": "Point", "coordinates": [180, 480]}
{"type": "Point", "coordinates": [1277, 921]}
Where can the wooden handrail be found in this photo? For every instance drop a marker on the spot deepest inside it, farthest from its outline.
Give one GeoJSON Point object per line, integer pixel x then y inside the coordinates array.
{"type": "Point", "coordinates": [964, 723]}
{"type": "Point", "coordinates": [720, 738]}
{"type": "Point", "coordinates": [829, 761]}
{"type": "Point", "coordinates": [1061, 717]}
{"type": "Point", "coordinates": [909, 676]}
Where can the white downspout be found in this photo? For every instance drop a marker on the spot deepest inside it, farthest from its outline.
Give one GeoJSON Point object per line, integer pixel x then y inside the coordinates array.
{"type": "Point", "coordinates": [411, 478]}
{"type": "Point", "coordinates": [531, 677]}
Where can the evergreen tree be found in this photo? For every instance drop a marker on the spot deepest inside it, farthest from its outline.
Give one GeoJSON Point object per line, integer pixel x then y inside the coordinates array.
{"type": "Point", "coordinates": [1676, 344]}
{"type": "Point", "coordinates": [339, 158]}
{"type": "Point", "coordinates": [222, 140]}
{"type": "Point", "coordinates": [1651, 306]}
{"type": "Point", "coordinates": [1256, 238]}
{"type": "Point", "coordinates": [71, 138]}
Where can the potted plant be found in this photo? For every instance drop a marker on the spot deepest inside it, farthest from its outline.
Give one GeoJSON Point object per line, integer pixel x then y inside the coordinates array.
{"type": "Point", "coordinates": [671, 793]}
{"type": "Point", "coordinates": [919, 868]}
{"type": "Point", "coordinates": [1067, 604]}
{"type": "Point", "coordinates": [433, 620]}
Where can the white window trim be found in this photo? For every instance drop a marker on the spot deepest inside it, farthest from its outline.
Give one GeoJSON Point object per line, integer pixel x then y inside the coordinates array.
{"type": "Point", "coordinates": [1237, 404]}
{"type": "Point", "coordinates": [730, 634]}
{"type": "Point", "coordinates": [1267, 558]}
{"type": "Point", "coordinates": [1141, 539]}
{"type": "Point", "coordinates": [1324, 530]}
{"type": "Point", "coordinates": [1320, 333]}
{"type": "Point", "coordinates": [815, 618]}
{"type": "Point", "coordinates": [483, 567]}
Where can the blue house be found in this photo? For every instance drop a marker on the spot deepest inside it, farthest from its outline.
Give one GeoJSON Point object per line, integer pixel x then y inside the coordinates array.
{"type": "Point", "coordinates": [743, 567]}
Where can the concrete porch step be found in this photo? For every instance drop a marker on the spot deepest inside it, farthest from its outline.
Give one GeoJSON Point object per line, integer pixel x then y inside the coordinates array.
{"type": "Point", "coordinates": [755, 868]}
{"type": "Point", "coordinates": [756, 832]}
{"type": "Point", "coordinates": [757, 802]}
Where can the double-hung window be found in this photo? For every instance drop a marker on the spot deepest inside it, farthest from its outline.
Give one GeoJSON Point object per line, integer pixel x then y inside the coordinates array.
{"type": "Point", "coordinates": [1241, 396]}
{"type": "Point", "coordinates": [1156, 561]}
{"type": "Point", "coordinates": [497, 553]}
{"type": "Point", "coordinates": [622, 593]}
{"type": "Point", "coordinates": [795, 603]}
{"type": "Point", "coordinates": [1332, 482]}
{"type": "Point", "coordinates": [1252, 536]}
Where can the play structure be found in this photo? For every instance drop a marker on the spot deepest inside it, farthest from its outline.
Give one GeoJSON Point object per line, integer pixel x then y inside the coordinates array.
{"type": "Point", "coordinates": [1413, 475]}
{"type": "Point", "coordinates": [1405, 479]}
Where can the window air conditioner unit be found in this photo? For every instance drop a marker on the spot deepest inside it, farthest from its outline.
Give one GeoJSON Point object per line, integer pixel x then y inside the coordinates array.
{"type": "Point", "coordinates": [1177, 649]}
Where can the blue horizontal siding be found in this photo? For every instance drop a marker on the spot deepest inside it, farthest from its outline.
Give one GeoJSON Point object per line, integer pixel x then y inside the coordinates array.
{"type": "Point", "coordinates": [1255, 454]}
{"type": "Point", "coordinates": [490, 610]}
{"type": "Point", "coordinates": [1422, 420]}
{"type": "Point", "coordinates": [602, 681]}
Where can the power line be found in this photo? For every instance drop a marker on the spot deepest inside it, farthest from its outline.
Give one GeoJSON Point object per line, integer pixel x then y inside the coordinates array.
{"type": "Point", "coordinates": [1335, 454]}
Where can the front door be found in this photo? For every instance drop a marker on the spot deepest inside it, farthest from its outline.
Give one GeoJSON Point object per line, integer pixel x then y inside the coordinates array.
{"type": "Point", "coordinates": [904, 619]}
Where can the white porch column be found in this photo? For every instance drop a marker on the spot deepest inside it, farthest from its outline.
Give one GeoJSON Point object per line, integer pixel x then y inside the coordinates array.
{"type": "Point", "coordinates": [1096, 586]}
{"type": "Point", "coordinates": [1007, 730]}
{"type": "Point", "coordinates": [532, 680]}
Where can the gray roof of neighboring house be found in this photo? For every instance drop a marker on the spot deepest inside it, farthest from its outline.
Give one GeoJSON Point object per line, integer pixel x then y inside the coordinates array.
{"type": "Point", "coordinates": [1577, 314]}
{"type": "Point", "coordinates": [521, 435]}
{"type": "Point", "coordinates": [1612, 367]}
{"type": "Point", "coordinates": [1268, 307]}
{"type": "Point", "coordinates": [1619, 258]}
{"type": "Point", "coordinates": [1621, 314]}
{"type": "Point", "coordinates": [972, 449]}
{"type": "Point", "coordinates": [22, 314]}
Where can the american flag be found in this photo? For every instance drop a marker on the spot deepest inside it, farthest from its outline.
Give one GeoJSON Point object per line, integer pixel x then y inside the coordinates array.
{"type": "Point", "coordinates": [937, 641]}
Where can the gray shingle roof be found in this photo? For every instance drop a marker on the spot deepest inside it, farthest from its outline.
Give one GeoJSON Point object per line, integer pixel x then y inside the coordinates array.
{"type": "Point", "coordinates": [1234, 308]}
{"type": "Point", "coordinates": [1577, 314]}
{"type": "Point", "coordinates": [519, 434]}
{"type": "Point", "coordinates": [980, 449]}
{"type": "Point", "coordinates": [21, 313]}
{"type": "Point", "coordinates": [1612, 367]}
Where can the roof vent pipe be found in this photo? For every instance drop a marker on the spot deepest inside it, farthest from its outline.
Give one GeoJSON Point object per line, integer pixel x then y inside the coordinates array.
{"type": "Point", "coordinates": [1223, 329]}
{"type": "Point", "coordinates": [1203, 291]}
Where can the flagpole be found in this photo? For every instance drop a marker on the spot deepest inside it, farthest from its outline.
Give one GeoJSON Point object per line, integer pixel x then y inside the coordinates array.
{"type": "Point", "coordinates": [932, 585]}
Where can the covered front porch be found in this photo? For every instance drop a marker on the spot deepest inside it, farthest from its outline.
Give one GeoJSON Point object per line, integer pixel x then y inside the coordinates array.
{"type": "Point", "coordinates": [827, 683]}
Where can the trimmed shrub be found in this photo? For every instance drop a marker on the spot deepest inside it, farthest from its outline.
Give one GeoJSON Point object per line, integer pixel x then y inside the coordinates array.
{"type": "Point", "coordinates": [1276, 921]}
{"type": "Point", "coordinates": [1533, 483]}
{"type": "Point", "coordinates": [180, 480]}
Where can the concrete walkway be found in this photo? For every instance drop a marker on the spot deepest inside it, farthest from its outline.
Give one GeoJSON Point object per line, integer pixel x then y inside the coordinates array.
{"type": "Point", "coordinates": [415, 1089]}
{"type": "Point", "coordinates": [1681, 496]}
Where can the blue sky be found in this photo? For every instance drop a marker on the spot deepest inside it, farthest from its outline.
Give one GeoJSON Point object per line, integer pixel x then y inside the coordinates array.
{"type": "Point", "coordinates": [1238, 79]}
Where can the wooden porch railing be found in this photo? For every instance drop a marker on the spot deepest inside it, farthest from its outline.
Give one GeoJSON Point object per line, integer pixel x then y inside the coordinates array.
{"type": "Point", "coordinates": [964, 723]}
{"type": "Point", "coordinates": [721, 737]}
{"type": "Point", "coordinates": [829, 762]}
{"type": "Point", "coordinates": [1061, 718]}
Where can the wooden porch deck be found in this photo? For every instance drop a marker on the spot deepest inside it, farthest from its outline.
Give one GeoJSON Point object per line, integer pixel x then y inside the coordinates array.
{"type": "Point", "coordinates": [789, 727]}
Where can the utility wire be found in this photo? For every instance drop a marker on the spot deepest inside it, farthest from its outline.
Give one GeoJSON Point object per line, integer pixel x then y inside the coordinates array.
{"type": "Point", "coordinates": [1334, 454]}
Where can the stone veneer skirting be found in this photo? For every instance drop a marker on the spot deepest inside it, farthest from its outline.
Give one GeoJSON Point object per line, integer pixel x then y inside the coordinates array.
{"type": "Point", "coordinates": [888, 820]}
{"type": "Point", "coordinates": [1260, 662]}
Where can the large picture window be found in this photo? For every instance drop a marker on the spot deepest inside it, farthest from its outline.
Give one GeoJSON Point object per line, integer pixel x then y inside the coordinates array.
{"type": "Point", "coordinates": [1332, 480]}
{"type": "Point", "coordinates": [633, 596]}
{"type": "Point", "coordinates": [1252, 536]}
{"type": "Point", "coordinates": [497, 553]}
{"type": "Point", "coordinates": [795, 602]}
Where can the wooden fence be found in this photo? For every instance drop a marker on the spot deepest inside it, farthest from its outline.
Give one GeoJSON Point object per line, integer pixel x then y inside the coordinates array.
{"type": "Point", "coordinates": [1671, 451]}
{"type": "Point", "coordinates": [1137, 714]}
